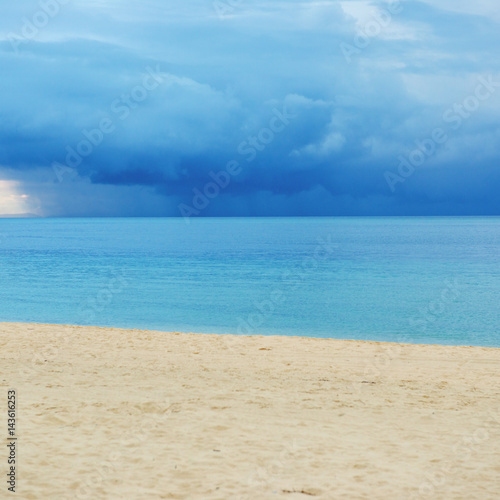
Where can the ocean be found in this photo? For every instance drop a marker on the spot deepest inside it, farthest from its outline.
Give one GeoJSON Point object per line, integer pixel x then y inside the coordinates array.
{"type": "Point", "coordinates": [415, 280]}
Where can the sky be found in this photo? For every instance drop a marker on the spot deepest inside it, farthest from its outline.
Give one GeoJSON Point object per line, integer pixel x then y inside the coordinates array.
{"type": "Point", "coordinates": [249, 108]}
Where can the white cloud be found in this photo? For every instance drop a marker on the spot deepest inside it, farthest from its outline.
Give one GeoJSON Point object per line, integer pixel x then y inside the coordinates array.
{"type": "Point", "coordinates": [366, 16]}
{"type": "Point", "coordinates": [332, 143]}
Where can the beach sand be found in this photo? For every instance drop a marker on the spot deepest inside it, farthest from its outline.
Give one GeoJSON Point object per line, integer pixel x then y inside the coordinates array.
{"type": "Point", "coordinates": [130, 414]}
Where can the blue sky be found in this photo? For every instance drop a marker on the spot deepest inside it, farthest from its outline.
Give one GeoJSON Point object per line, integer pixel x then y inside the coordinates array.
{"type": "Point", "coordinates": [249, 107]}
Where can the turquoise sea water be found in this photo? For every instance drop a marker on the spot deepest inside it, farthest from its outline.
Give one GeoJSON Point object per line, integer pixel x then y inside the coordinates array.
{"type": "Point", "coordinates": [417, 280]}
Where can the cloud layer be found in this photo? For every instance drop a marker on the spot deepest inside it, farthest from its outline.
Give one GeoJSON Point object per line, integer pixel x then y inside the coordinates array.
{"type": "Point", "coordinates": [319, 108]}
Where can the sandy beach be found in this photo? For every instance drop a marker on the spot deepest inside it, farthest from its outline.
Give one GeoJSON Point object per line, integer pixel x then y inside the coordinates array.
{"type": "Point", "coordinates": [129, 414]}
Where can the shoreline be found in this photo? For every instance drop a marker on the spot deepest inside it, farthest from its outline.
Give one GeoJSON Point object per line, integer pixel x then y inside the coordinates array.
{"type": "Point", "coordinates": [116, 413]}
{"type": "Point", "coordinates": [254, 335]}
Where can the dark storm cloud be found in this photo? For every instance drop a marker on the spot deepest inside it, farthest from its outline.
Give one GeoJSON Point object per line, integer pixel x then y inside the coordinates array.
{"type": "Point", "coordinates": [131, 108]}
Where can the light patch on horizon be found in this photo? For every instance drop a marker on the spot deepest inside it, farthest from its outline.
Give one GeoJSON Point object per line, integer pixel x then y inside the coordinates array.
{"type": "Point", "coordinates": [12, 200]}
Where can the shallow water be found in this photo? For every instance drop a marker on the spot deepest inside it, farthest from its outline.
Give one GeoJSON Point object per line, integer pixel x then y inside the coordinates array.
{"type": "Point", "coordinates": [417, 280]}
